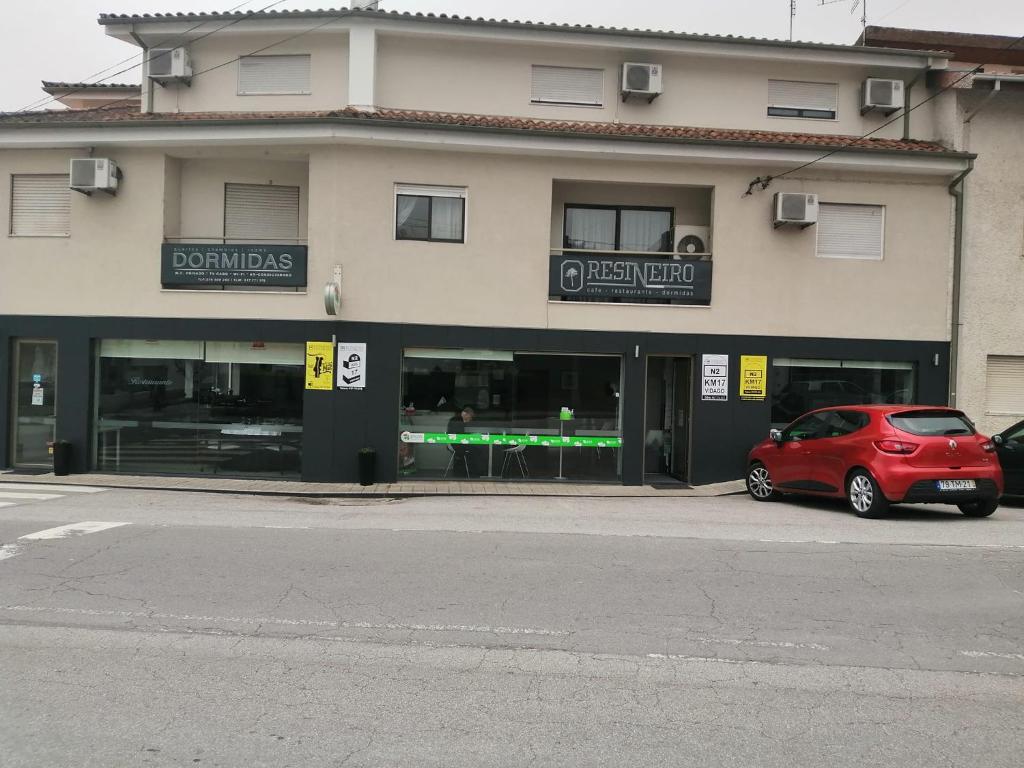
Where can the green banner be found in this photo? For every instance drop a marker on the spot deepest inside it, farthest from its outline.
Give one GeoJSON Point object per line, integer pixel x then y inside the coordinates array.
{"type": "Point", "coordinates": [549, 441]}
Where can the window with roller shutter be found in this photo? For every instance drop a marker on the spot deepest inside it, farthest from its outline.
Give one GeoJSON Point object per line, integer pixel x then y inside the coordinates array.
{"type": "Point", "coordinates": [1004, 385]}
{"type": "Point", "coordinates": [850, 231]}
{"type": "Point", "coordinates": [281, 75]}
{"type": "Point", "coordinates": [40, 205]}
{"type": "Point", "coordinates": [792, 98]}
{"type": "Point", "coordinates": [261, 212]}
{"type": "Point", "coordinates": [572, 86]}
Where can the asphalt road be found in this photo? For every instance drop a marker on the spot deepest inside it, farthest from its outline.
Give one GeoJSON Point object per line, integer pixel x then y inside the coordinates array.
{"type": "Point", "coordinates": [224, 630]}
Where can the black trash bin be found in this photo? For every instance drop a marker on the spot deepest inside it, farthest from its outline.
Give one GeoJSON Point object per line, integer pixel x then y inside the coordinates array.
{"type": "Point", "coordinates": [367, 465]}
{"type": "Point", "coordinates": [61, 457]}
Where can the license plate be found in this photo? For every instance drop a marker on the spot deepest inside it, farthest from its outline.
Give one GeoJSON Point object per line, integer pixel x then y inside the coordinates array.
{"type": "Point", "coordinates": [956, 485]}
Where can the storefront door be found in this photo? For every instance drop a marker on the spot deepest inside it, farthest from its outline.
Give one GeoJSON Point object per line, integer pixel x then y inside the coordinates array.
{"type": "Point", "coordinates": [667, 437]}
{"type": "Point", "coordinates": [35, 402]}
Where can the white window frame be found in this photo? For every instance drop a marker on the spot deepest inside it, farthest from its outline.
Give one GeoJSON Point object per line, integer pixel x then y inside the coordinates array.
{"type": "Point", "coordinates": [771, 106]}
{"type": "Point", "coordinates": [851, 256]}
{"type": "Point", "coordinates": [66, 181]}
{"type": "Point", "coordinates": [430, 190]}
{"type": "Point", "coordinates": [599, 104]}
{"type": "Point", "coordinates": [308, 90]}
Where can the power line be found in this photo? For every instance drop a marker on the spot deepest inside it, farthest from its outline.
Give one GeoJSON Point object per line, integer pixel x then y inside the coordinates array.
{"type": "Point", "coordinates": [43, 101]}
{"type": "Point", "coordinates": [247, 15]}
{"type": "Point", "coordinates": [765, 181]}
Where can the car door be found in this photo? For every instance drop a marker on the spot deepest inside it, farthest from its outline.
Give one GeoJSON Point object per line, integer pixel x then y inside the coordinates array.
{"type": "Point", "coordinates": [790, 466]}
{"type": "Point", "coordinates": [1011, 458]}
{"type": "Point", "coordinates": [829, 456]}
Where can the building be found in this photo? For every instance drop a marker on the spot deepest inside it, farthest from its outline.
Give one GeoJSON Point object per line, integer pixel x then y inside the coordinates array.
{"type": "Point", "coordinates": [982, 112]}
{"type": "Point", "coordinates": [558, 226]}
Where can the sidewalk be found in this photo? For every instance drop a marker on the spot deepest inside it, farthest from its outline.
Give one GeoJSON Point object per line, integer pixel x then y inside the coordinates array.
{"type": "Point", "coordinates": [404, 489]}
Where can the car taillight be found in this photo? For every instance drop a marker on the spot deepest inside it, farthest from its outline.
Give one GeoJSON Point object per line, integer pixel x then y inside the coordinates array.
{"type": "Point", "coordinates": [988, 446]}
{"type": "Point", "coordinates": [896, 446]}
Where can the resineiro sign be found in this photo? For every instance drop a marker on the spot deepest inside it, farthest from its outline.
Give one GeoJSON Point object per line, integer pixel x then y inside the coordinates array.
{"type": "Point", "coordinates": [189, 264]}
{"type": "Point", "coordinates": [630, 277]}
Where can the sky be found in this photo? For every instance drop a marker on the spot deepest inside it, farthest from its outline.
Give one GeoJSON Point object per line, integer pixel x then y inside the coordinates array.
{"type": "Point", "coordinates": [60, 39]}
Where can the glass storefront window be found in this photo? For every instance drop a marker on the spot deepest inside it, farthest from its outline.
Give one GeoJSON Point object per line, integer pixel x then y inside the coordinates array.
{"type": "Point", "coordinates": [493, 413]}
{"type": "Point", "coordinates": [799, 385]}
{"type": "Point", "coordinates": [193, 407]}
{"type": "Point", "coordinates": [35, 401]}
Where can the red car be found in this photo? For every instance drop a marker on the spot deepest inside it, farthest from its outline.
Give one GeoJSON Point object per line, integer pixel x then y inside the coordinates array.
{"type": "Point", "coordinates": [876, 455]}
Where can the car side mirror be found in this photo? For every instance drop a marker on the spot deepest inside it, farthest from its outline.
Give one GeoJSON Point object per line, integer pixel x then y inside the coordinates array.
{"type": "Point", "coordinates": [775, 435]}
{"type": "Point", "coordinates": [998, 439]}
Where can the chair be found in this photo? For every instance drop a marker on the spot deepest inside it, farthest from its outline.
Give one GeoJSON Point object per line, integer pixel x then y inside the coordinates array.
{"type": "Point", "coordinates": [451, 461]}
{"type": "Point", "coordinates": [516, 453]}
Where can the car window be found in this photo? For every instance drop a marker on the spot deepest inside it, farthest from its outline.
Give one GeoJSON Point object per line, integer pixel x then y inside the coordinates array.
{"type": "Point", "coordinates": [841, 423]}
{"type": "Point", "coordinates": [1017, 433]}
{"type": "Point", "coordinates": [809, 427]}
{"type": "Point", "coordinates": [932, 423]}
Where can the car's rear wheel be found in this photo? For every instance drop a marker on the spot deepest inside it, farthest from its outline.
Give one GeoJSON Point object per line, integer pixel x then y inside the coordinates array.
{"type": "Point", "coordinates": [759, 483]}
{"type": "Point", "coordinates": [864, 496]}
{"type": "Point", "coordinates": [979, 507]}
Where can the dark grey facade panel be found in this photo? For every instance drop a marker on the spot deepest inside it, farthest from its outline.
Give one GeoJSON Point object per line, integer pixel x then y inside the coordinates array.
{"type": "Point", "coordinates": [336, 424]}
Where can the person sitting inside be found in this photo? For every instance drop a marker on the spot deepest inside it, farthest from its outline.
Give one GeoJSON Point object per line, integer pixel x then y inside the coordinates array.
{"type": "Point", "coordinates": [464, 458]}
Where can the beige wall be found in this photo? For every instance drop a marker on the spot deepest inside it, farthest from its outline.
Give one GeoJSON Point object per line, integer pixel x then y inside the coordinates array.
{"type": "Point", "coordinates": [494, 78]}
{"type": "Point", "coordinates": [992, 309]}
{"type": "Point", "coordinates": [766, 282]}
{"type": "Point", "coordinates": [217, 90]}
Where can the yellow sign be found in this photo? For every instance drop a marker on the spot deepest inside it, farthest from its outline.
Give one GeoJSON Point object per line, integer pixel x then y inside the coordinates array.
{"type": "Point", "coordinates": [319, 365]}
{"type": "Point", "coordinates": [753, 377]}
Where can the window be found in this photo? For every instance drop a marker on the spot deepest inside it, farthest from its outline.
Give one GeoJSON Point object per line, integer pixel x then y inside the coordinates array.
{"type": "Point", "coordinates": [850, 231]}
{"type": "Point", "coordinates": [1005, 384]}
{"type": "Point", "coordinates": [841, 423]}
{"type": "Point", "coordinates": [430, 213]}
{"type": "Point", "coordinates": [932, 423]}
{"type": "Point", "coordinates": [40, 205]}
{"type": "Point", "coordinates": [617, 228]}
{"type": "Point", "coordinates": [789, 98]}
{"type": "Point", "coordinates": [810, 427]}
{"type": "Point", "coordinates": [273, 74]}
{"type": "Point", "coordinates": [194, 407]}
{"type": "Point", "coordinates": [254, 212]}
{"type": "Point", "coordinates": [572, 86]}
{"type": "Point", "coordinates": [494, 412]}
{"type": "Point", "coordinates": [799, 386]}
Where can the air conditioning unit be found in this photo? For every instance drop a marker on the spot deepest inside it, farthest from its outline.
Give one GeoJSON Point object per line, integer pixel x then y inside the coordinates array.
{"type": "Point", "coordinates": [641, 80]}
{"type": "Point", "coordinates": [170, 65]}
{"type": "Point", "coordinates": [795, 208]}
{"type": "Point", "coordinates": [691, 241]}
{"type": "Point", "coordinates": [94, 174]}
{"type": "Point", "coordinates": [884, 95]}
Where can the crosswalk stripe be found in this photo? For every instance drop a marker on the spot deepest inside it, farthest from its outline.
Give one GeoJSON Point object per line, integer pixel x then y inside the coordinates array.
{"type": "Point", "coordinates": [6, 503]}
{"type": "Point", "coordinates": [36, 496]}
{"type": "Point", "coordinates": [74, 529]}
{"type": "Point", "coordinates": [52, 488]}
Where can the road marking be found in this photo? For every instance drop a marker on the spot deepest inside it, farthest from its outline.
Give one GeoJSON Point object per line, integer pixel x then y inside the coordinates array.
{"type": "Point", "coordinates": [6, 503]}
{"type": "Point", "coordinates": [34, 496]}
{"type": "Point", "coordinates": [8, 551]}
{"type": "Point", "coordinates": [323, 623]}
{"type": "Point", "coordinates": [797, 541]}
{"type": "Point", "coordinates": [993, 654]}
{"type": "Point", "coordinates": [760, 643]}
{"type": "Point", "coordinates": [51, 488]}
{"type": "Point", "coordinates": [74, 529]}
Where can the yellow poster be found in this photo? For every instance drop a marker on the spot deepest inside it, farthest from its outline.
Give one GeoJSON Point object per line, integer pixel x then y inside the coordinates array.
{"type": "Point", "coordinates": [319, 365]}
{"type": "Point", "coordinates": [753, 377]}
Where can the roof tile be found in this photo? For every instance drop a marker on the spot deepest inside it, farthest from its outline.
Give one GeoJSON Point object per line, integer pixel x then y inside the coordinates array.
{"type": "Point", "coordinates": [124, 115]}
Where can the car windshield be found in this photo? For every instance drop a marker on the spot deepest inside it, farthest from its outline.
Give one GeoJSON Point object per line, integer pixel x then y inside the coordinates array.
{"type": "Point", "coordinates": [932, 423]}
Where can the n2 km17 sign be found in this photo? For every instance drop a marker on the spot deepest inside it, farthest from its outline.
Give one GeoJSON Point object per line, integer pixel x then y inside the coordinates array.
{"type": "Point", "coordinates": [714, 377]}
{"type": "Point", "coordinates": [351, 365]}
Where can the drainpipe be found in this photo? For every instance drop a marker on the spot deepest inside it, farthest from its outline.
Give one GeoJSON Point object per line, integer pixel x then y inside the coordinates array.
{"type": "Point", "coordinates": [956, 189]}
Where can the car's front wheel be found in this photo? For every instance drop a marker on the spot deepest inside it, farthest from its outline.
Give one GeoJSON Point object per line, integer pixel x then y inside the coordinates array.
{"type": "Point", "coordinates": [759, 483]}
{"type": "Point", "coordinates": [864, 496]}
{"type": "Point", "coordinates": [979, 507]}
